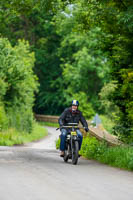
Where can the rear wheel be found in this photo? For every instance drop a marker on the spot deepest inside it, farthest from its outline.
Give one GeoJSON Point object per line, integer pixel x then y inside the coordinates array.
{"type": "Point", "coordinates": [75, 152]}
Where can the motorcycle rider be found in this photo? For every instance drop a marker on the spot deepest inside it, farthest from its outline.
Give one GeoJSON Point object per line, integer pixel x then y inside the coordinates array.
{"type": "Point", "coordinates": [71, 115]}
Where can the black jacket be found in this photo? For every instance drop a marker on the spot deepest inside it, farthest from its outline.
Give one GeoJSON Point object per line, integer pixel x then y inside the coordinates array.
{"type": "Point", "coordinates": [69, 117]}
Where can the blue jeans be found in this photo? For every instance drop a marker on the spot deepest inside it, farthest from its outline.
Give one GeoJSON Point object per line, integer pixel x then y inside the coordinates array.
{"type": "Point", "coordinates": [63, 139]}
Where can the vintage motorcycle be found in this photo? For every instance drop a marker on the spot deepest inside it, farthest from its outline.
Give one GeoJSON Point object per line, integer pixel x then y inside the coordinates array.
{"type": "Point", "coordinates": [72, 143]}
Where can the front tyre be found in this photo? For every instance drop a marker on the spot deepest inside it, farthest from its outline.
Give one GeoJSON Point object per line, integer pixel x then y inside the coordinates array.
{"type": "Point", "coordinates": [65, 157]}
{"type": "Point", "coordinates": [66, 153]}
{"type": "Point", "coordinates": [75, 152]}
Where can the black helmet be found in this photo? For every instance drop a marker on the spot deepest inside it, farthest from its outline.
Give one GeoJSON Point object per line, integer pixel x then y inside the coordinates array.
{"type": "Point", "coordinates": [75, 103]}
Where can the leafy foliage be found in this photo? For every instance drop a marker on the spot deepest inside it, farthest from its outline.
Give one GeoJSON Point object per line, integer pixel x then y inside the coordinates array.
{"type": "Point", "coordinates": [106, 95]}
{"type": "Point", "coordinates": [12, 136]}
{"type": "Point", "coordinates": [120, 156]}
{"type": "Point", "coordinates": [18, 84]}
{"type": "Point", "coordinates": [3, 118]}
{"type": "Point", "coordinates": [84, 64]}
{"type": "Point", "coordinates": [115, 20]}
{"type": "Point", "coordinates": [82, 48]}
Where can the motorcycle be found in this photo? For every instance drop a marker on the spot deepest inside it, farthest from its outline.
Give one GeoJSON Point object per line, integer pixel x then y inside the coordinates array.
{"type": "Point", "coordinates": [72, 143]}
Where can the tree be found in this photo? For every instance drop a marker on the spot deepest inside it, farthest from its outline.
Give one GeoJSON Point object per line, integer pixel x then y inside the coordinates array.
{"type": "Point", "coordinates": [114, 21]}
{"type": "Point", "coordinates": [83, 58]}
{"type": "Point", "coordinates": [18, 83]}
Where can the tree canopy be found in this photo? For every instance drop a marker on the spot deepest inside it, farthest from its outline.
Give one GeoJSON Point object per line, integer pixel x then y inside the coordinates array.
{"type": "Point", "coordinates": [83, 49]}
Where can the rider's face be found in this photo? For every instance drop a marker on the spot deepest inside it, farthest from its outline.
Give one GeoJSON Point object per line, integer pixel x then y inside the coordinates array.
{"type": "Point", "coordinates": [74, 107]}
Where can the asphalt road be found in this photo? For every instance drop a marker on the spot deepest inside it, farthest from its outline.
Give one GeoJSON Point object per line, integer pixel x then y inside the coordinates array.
{"type": "Point", "coordinates": [36, 172]}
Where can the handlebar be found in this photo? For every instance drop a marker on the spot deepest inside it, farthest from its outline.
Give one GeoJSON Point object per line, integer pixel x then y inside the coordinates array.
{"type": "Point", "coordinates": [71, 127]}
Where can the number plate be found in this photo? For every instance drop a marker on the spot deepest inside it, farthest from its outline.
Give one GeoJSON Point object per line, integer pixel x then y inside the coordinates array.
{"type": "Point", "coordinates": [73, 133]}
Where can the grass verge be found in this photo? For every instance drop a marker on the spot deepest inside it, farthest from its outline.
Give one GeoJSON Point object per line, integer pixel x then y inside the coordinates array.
{"type": "Point", "coordinates": [57, 143]}
{"type": "Point", "coordinates": [13, 137]}
{"type": "Point", "coordinates": [120, 156]}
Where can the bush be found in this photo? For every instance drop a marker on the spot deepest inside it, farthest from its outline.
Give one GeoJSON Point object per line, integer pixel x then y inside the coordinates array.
{"type": "Point", "coordinates": [120, 156]}
{"type": "Point", "coordinates": [18, 84]}
{"type": "Point", "coordinates": [89, 147]}
{"type": "Point", "coordinates": [57, 142]}
{"type": "Point", "coordinates": [107, 123]}
{"type": "Point", "coordinates": [12, 136]}
{"type": "Point", "coordinates": [21, 119]}
{"type": "Point", "coordinates": [3, 118]}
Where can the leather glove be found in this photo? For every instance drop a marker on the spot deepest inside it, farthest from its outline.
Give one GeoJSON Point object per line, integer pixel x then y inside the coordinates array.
{"type": "Point", "coordinates": [61, 126]}
{"type": "Point", "coordinates": [86, 129]}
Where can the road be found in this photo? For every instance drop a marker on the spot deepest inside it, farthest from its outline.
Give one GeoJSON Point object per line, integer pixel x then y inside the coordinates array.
{"type": "Point", "coordinates": [36, 172]}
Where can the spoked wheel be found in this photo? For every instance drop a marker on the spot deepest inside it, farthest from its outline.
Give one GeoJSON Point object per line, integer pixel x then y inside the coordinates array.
{"type": "Point", "coordinates": [66, 153]}
{"type": "Point", "coordinates": [75, 152]}
{"type": "Point", "coordinates": [65, 156]}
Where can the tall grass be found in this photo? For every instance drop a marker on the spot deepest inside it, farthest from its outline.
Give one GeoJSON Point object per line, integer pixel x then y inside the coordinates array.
{"type": "Point", "coordinates": [12, 136]}
{"type": "Point", "coordinates": [20, 119]}
{"type": "Point", "coordinates": [119, 156]}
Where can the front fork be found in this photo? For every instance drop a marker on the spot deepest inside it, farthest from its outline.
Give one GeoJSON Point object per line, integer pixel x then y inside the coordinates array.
{"type": "Point", "coordinates": [73, 138]}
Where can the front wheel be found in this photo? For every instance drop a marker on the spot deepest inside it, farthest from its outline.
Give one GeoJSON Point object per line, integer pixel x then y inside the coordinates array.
{"type": "Point", "coordinates": [75, 152]}
{"type": "Point", "coordinates": [66, 153]}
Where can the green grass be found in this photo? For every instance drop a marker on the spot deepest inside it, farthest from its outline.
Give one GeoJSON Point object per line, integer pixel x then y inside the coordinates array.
{"type": "Point", "coordinates": [12, 137]}
{"type": "Point", "coordinates": [57, 143]}
{"type": "Point", "coordinates": [119, 156]}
